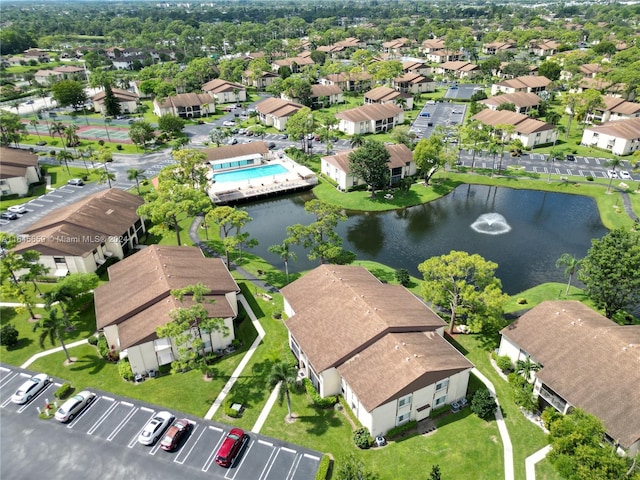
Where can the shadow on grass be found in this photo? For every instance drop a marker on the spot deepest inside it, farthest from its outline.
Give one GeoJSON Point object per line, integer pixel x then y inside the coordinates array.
{"type": "Point", "coordinates": [453, 342]}
{"type": "Point", "coordinates": [250, 390]}
{"type": "Point", "coordinates": [448, 418]}
{"type": "Point", "coordinates": [251, 300]}
{"type": "Point", "coordinates": [93, 362]}
{"type": "Point", "coordinates": [321, 422]}
{"type": "Point", "coordinates": [22, 343]}
{"type": "Point", "coordinates": [7, 314]}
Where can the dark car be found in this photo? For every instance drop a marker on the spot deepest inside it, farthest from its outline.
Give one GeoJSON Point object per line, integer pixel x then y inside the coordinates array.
{"type": "Point", "coordinates": [272, 145]}
{"type": "Point", "coordinates": [176, 433]}
{"type": "Point", "coordinates": [571, 158]}
{"type": "Point", "coordinates": [230, 447]}
{"type": "Point", "coordinates": [9, 216]}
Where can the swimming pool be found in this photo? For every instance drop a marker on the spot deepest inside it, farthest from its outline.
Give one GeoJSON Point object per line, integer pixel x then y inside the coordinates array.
{"type": "Point", "coordinates": [246, 174]}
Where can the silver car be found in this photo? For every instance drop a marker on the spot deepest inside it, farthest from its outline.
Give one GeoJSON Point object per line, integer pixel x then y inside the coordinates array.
{"type": "Point", "coordinates": [74, 405]}
{"type": "Point", "coordinates": [155, 427]}
{"type": "Point", "coordinates": [30, 388]}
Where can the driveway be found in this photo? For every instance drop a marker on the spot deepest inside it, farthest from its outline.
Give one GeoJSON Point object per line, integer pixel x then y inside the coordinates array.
{"type": "Point", "coordinates": [103, 439]}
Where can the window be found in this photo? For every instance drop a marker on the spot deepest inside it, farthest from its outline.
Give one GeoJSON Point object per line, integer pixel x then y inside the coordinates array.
{"type": "Point", "coordinates": [440, 400]}
{"type": "Point", "coordinates": [442, 384]}
{"type": "Point", "coordinates": [400, 419]}
{"type": "Point", "coordinates": [406, 400]}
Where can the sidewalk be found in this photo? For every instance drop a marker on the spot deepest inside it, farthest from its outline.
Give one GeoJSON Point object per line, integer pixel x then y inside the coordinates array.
{"type": "Point", "coordinates": [51, 351]}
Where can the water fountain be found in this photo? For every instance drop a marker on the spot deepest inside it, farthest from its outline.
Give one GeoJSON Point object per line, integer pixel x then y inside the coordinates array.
{"type": "Point", "coordinates": [491, 224]}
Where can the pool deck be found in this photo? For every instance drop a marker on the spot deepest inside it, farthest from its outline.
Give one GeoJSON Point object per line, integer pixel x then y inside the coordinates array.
{"type": "Point", "coordinates": [296, 178]}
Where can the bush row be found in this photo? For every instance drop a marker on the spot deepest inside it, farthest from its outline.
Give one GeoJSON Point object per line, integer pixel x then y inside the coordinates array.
{"type": "Point", "coordinates": [323, 468]}
{"type": "Point", "coordinates": [317, 400]}
{"type": "Point", "coordinates": [394, 432]}
{"type": "Point", "coordinates": [124, 369]}
{"type": "Point", "coordinates": [226, 408]}
{"type": "Point", "coordinates": [64, 391]}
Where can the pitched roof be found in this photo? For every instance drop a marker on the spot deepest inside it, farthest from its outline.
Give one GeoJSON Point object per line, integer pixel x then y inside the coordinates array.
{"type": "Point", "coordinates": [80, 227]}
{"type": "Point", "coordinates": [619, 106]}
{"type": "Point", "coordinates": [399, 156]}
{"type": "Point", "coordinates": [349, 77]}
{"type": "Point", "coordinates": [346, 318]}
{"type": "Point", "coordinates": [220, 86]}
{"type": "Point", "coordinates": [590, 361]}
{"type": "Point", "coordinates": [382, 94]}
{"type": "Point", "coordinates": [370, 112]}
{"type": "Point", "coordinates": [519, 99]}
{"type": "Point", "coordinates": [522, 123]}
{"type": "Point", "coordinates": [277, 107]}
{"type": "Point", "coordinates": [458, 65]}
{"type": "Point", "coordinates": [626, 129]}
{"type": "Point", "coordinates": [15, 161]}
{"type": "Point", "coordinates": [318, 90]}
{"type": "Point", "coordinates": [238, 150]}
{"type": "Point", "coordinates": [414, 78]}
{"type": "Point", "coordinates": [138, 296]}
{"type": "Point", "coordinates": [185, 100]}
{"type": "Point", "coordinates": [526, 81]}
{"type": "Point", "coordinates": [119, 94]}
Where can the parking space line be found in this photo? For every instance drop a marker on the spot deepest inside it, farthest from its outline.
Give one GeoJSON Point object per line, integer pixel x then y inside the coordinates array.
{"type": "Point", "coordinates": [75, 420]}
{"type": "Point", "coordinates": [294, 466]}
{"type": "Point", "coordinates": [286, 449]}
{"type": "Point", "coordinates": [111, 399]}
{"type": "Point", "coordinates": [104, 416]}
{"type": "Point", "coordinates": [8, 379]}
{"type": "Point", "coordinates": [54, 195]}
{"type": "Point", "coordinates": [312, 457]}
{"type": "Point", "coordinates": [181, 461]}
{"type": "Point", "coordinates": [127, 404]}
{"type": "Point", "coordinates": [217, 429]}
{"type": "Point", "coordinates": [146, 409]}
{"type": "Point", "coordinates": [269, 464]}
{"type": "Point", "coordinates": [122, 423]}
{"type": "Point", "coordinates": [239, 466]}
{"type": "Point", "coordinates": [42, 199]}
{"type": "Point", "coordinates": [209, 461]}
{"type": "Point", "coordinates": [262, 442]}
{"type": "Point", "coordinates": [38, 395]}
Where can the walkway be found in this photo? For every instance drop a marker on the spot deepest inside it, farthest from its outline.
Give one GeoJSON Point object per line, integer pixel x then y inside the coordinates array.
{"type": "Point", "coordinates": [51, 351]}
{"type": "Point", "coordinates": [243, 363]}
{"type": "Point", "coordinates": [502, 428]}
{"type": "Point", "coordinates": [531, 460]}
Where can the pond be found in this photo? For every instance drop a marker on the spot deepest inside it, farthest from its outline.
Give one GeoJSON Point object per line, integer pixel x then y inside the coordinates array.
{"type": "Point", "coordinates": [523, 231]}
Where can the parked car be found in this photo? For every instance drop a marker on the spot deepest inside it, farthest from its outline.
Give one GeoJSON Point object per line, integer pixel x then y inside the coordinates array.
{"type": "Point", "coordinates": [230, 447]}
{"type": "Point", "coordinates": [233, 141]}
{"type": "Point", "coordinates": [623, 174]}
{"type": "Point", "coordinates": [9, 216]}
{"type": "Point", "coordinates": [284, 136]}
{"type": "Point", "coordinates": [249, 133]}
{"type": "Point", "coordinates": [176, 433]}
{"type": "Point", "coordinates": [30, 388]}
{"type": "Point", "coordinates": [431, 102]}
{"type": "Point", "coordinates": [612, 174]}
{"type": "Point", "coordinates": [272, 145]}
{"type": "Point", "coordinates": [570, 158]}
{"type": "Point", "coordinates": [77, 182]}
{"type": "Point", "coordinates": [74, 406]}
{"type": "Point", "coordinates": [17, 209]}
{"type": "Point", "coordinates": [456, 112]}
{"type": "Point", "coordinates": [425, 114]}
{"type": "Point", "coordinates": [155, 427]}
{"type": "Point", "coordinates": [228, 123]}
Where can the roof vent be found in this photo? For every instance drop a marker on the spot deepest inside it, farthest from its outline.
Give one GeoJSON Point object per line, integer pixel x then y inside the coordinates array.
{"type": "Point", "coordinates": [624, 348]}
{"type": "Point", "coordinates": [406, 359]}
{"type": "Point", "coordinates": [415, 355]}
{"type": "Point", "coordinates": [403, 344]}
{"type": "Point", "coordinates": [109, 212]}
{"type": "Point", "coordinates": [397, 347]}
{"type": "Point", "coordinates": [375, 308]}
{"type": "Point", "coordinates": [573, 323]}
{"type": "Point", "coordinates": [557, 313]}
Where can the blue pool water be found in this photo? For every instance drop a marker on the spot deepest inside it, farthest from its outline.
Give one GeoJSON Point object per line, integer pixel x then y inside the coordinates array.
{"type": "Point", "coordinates": [246, 174]}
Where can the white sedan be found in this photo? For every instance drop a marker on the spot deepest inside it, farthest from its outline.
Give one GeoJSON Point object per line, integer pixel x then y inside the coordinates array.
{"type": "Point", "coordinates": [74, 405]}
{"type": "Point", "coordinates": [30, 388]}
{"type": "Point", "coordinates": [18, 209]}
{"type": "Point", "coordinates": [612, 174]}
{"type": "Point", "coordinates": [155, 427]}
{"type": "Point", "coordinates": [623, 174]}
{"type": "Point", "coordinates": [228, 123]}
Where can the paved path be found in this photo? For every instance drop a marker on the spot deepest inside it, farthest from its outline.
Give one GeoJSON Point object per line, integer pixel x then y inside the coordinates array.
{"type": "Point", "coordinates": [502, 428]}
{"type": "Point", "coordinates": [531, 460]}
{"type": "Point", "coordinates": [266, 409]}
{"type": "Point", "coordinates": [243, 363]}
{"type": "Point", "coordinates": [51, 351]}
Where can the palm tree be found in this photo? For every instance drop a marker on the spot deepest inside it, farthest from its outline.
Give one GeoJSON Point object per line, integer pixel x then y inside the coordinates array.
{"type": "Point", "coordinates": [34, 124]}
{"type": "Point", "coordinates": [552, 157]}
{"type": "Point", "coordinates": [613, 163]}
{"type": "Point", "coordinates": [283, 252]}
{"type": "Point", "coordinates": [106, 176]}
{"type": "Point", "coordinates": [571, 265]}
{"type": "Point", "coordinates": [137, 175]}
{"type": "Point", "coordinates": [71, 137]}
{"type": "Point", "coordinates": [65, 156]}
{"type": "Point", "coordinates": [526, 367]}
{"type": "Point", "coordinates": [107, 121]}
{"type": "Point", "coordinates": [357, 140]}
{"type": "Point", "coordinates": [58, 128]}
{"type": "Point", "coordinates": [51, 327]}
{"type": "Point", "coordinates": [285, 375]}
{"type": "Point", "coordinates": [217, 135]}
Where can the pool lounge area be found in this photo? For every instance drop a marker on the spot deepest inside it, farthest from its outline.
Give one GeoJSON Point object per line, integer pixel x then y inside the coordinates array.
{"type": "Point", "coordinates": [279, 176]}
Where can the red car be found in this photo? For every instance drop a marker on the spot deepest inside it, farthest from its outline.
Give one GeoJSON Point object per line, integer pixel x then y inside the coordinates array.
{"type": "Point", "coordinates": [176, 433]}
{"type": "Point", "coordinates": [230, 447]}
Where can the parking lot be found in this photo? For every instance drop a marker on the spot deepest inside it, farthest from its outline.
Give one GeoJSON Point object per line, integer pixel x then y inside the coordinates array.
{"type": "Point", "coordinates": [117, 422]}
{"type": "Point", "coordinates": [437, 113]}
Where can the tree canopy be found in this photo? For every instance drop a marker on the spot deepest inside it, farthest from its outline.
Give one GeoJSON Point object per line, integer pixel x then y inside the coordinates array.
{"type": "Point", "coordinates": [370, 163]}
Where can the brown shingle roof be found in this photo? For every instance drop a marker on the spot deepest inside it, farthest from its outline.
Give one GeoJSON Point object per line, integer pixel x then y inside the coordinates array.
{"type": "Point", "coordinates": [219, 86]}
{"type": "Point", "coordinates": [15, 161]}
{"type": "Point", "coordinates": [522, 123]}
{"type": "Point", "coordinates": [185, 100]}
{"type": "Point", "coordinates": [327, 335]}
{"type": "Point", "coordinates": [277, 107]}
{"type": "Point", "coordinates": [367, 113]}
{"type": "Point", "coordinates": [399, 156]}
{"type": "Point", "coordinates": [381, 94]}
{"type": "Point", "coordinates": [238, 150]}
{"type": "Point", "coordinates": [318, 90]}
{"type": "Point", "coordinates": [138, 296]}
{"type": "Point", "coordinates": [526, 81]}
{"type": "Point", "coordinates": [119, 94]}
{"type": "Point", "coordinates": [519, 99]}
{"type": "Point", "coordinates": [590, 361]}
{"type": "Point", "coordinates": [626, 129]}
{"type": "Point", "coordinates": [77, 229]}
{"type": "Point", "coordinates": [620, 106]}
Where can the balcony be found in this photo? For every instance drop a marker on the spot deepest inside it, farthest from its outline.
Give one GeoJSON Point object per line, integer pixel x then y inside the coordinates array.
{"type": "Point", "coordinates": [554, 400]}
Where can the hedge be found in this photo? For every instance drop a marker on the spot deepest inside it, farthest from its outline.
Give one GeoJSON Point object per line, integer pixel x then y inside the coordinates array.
{"type": "Point", "coordinates": [317, 400]}
{"type": "Point", "coordinates": [124, 369]}
{"type": "Point", "coordinates": [394, 432]}
{"type": "Point", "coordinates": [64, 391]}
{"type": "Point", "coordinates": [323, 468]}
{"type": "Point", "coordinates": [226, 408]}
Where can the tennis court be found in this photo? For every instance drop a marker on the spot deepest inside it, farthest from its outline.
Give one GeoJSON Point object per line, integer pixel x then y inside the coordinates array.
{"type": "Point", "coordinates": [116, 134]}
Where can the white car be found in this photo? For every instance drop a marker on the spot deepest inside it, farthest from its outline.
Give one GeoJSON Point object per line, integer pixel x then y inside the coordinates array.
{"type": "Point", "coordinates": [612, 174]}
{"type": "Point", "coordinates": [228, 123]}
{"type": "Point", "coordinates": [18, 209]}
{"type": "Point", "coordinates": [155, 427]}
{"type": "Point", "coordinates": [74, 405]}
{"type": "Point", "coordinates": [30, 388]}
{"type": "Point", "coordinates": [623, 174]}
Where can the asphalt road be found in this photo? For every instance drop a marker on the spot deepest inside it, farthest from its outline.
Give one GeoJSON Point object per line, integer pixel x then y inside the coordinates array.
{"type": "Point", "coordinates": [101, 442]}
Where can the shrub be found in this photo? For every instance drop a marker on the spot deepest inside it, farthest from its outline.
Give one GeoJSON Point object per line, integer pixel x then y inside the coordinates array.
{"type": "Point", "coordinates": [103, 346]}
{"type": "Point", "coordinates": [549, 416]}
{"type": "Point", "coordinates": [277, 314]}
{"type": "Point", "coordinates": [119, 147]}
{"type": "Point", "coordinates": [483, 404]}
{"type": "Point", "coordinates": [101, 142]}
{"type": "Point", "coordinates": [124, 369]}
{"type": "Point", "coordinates": [226, 408]}
{"type": "Point", "coordinates": [362, 438]}
{"type": "Point", "coordinates": [323, 468]}
{"type": "Point", "coordinates": [403, 277]}
{"type": "Point", "coordinates": [504, 363]}
{"type": "Point", "coordinates": [64, 391]}
{"type": "Point", "coordinates": [93, 340]}
{"type": "Point", "coordinates": [318, 401]}
{"type": "Point", "coordinates": [9, 335]}
{"type": "Point", "coordinates": [522, 301]}
{"type": "Point", "coordinates": [589, 178]}
{"type": "Point", "coordinates": [394, 432]}
{"type": "Point", "coordinates": [435, 412]}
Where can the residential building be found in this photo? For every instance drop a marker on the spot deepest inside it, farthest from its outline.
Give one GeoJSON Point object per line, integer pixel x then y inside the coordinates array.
{"type": "Point", "coordinates": [137, 300]}
{"type": "Point", "coordinates": [349, 82]}
{"type": "Point", "coordinates": [493, 48]}
{"type": "Point", "coordinates": [261, 82]}
{"type": "Point", "coordinates": [459, 69]}
{"type": "Point", "coordinates": [543, 48]}
{"type": "Point", "coordinates": [184, 105]}
{"type": "Point", "coordinates": [527, 83]}
{"type": "Point", "coordinates": [587, 361]}
{"type": "Point", "coordinates": [621, 137]}
{"type": "Point", "coordinates": [223, 91]}
{"type": "Point", "coordinates": [414, 66]}
{"type": "Point", "coordinates": [529, 131]}
{"type": "Point", "coordinates": [128, 100]}
{"type": "Point", "coordinates": [18, 171]}
{"type": "Point", "coordinates": [615, 108]}
{"type": "Point", "coordinates": [336, 167]}
{"type": "Point", "coordinates": [276, 111]}
{"type": "Point", "coordinates": [377, 345]}
{"type": "Point", "coordinates": [384, 95]}
{"type": "Point", "coordinates": [396, 47]}
{"type": "Point", "coordinates": [373, 118]}
{"type": "Point", "coordinates": [293, 63]}
{"type": "Point", "coordinates": [80, 237]}
{"type": "Point", "coordinates": [414, 83]}
{"type": "Point", "coordinates": [445, 55]}
{"type": "Point", "coordinates": [524, 102]}
{"type": "Point", "coordinates": [323, 96]}
{"type": "Point", "coordinates": [432, 44]}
